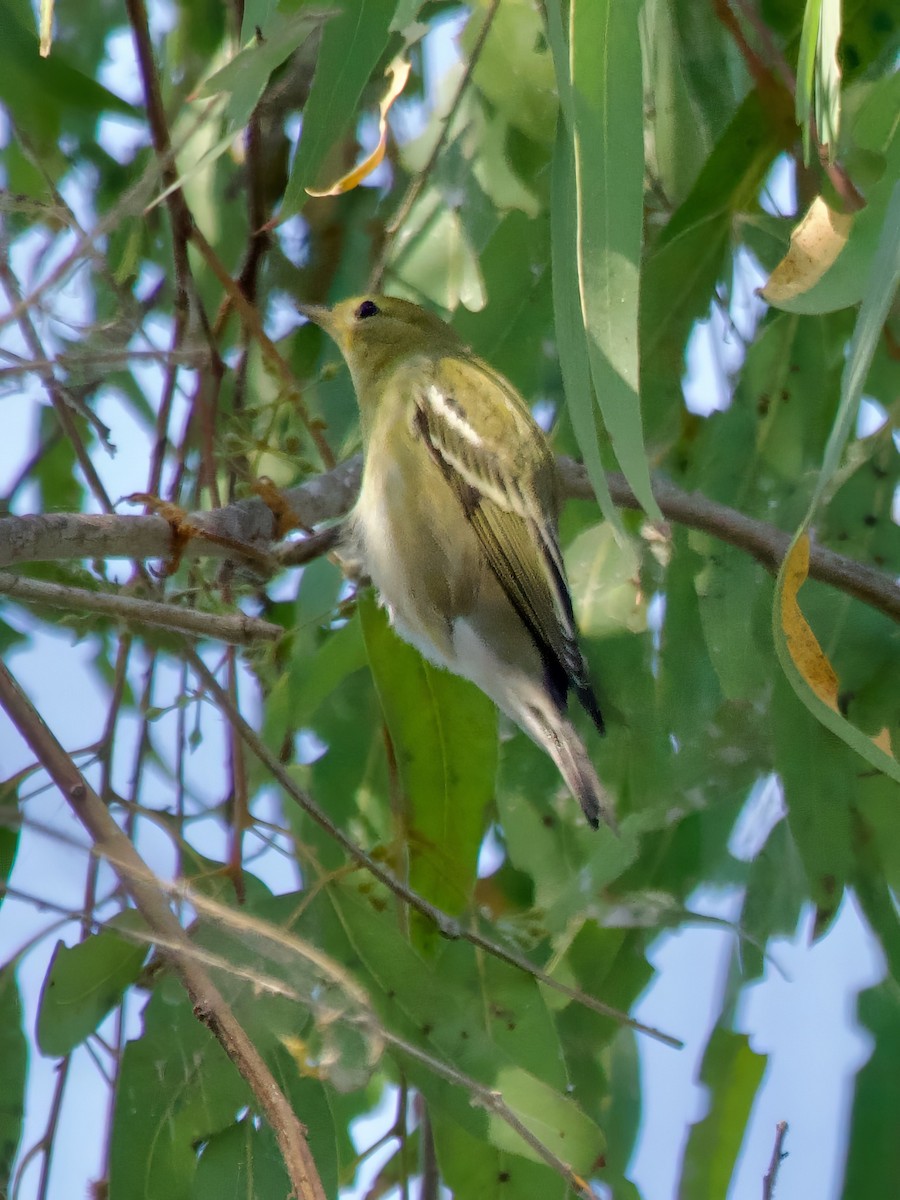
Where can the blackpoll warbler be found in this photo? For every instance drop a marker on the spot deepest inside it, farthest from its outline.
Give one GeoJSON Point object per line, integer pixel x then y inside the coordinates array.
{"type": "Point", "coordinates": [456, 523]}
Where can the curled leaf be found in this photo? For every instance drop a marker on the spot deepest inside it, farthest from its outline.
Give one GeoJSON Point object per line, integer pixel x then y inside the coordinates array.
{"type": "Point", "coordinates": [399, 71]}
{"type": "Point", "coordinates": [804, 648]}
{"type": "Point", "coordinates": [815, 244]}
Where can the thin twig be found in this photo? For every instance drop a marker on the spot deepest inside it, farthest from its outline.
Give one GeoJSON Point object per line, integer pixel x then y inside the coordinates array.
{"type": "Point", "coordinates": [55, 390]}
{"type": "Point", "coordinates": [236, 628]}
{"type": "Point", "coordinates": [136, 878]}
{"type": "Point", "coordinates": [446, 925]}
{"type": "Point", "coordinates": [778, 1155]}
{"type": "Point", "coordinates": [187, 299]}
{"type": "Point", "coordinates": [49, 1136]}
{"type": "Point", "coordinates": [492, 1100]}
{"type": "Point", "coordinates": [81, 360]}
{"type": "Point", "coordinates": [253, 322]}
{"type": "Point", "coordinates": [239, 808]}
{"type": "Point", "coordinates": [159, 128]}
{"type": "Point", "coordinates": [164, 413]}
{"type": "Point", "coordinates": [357, 1010]}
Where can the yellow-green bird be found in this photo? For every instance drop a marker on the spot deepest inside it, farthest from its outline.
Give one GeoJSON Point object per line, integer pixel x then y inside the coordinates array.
{"type": "Point", "coordinates": [456, 523]}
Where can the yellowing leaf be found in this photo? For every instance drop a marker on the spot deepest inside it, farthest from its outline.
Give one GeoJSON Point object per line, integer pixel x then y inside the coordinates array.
{"type": "Point", "coordinates": [815, 244]}
{"type": "Point", "coordinates": [46, 27]}
{"type": "Point", "coordinates": [882, 740]}
{"type": "Point", "coordinates": [399, 72]}
{"type": "Point", "coordinates": [802, 643]}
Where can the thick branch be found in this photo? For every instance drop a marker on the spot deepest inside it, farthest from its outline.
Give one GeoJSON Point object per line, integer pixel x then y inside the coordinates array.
{"type": "Point", "coordinates": [763, 542]}
{"type": "Point", "coordinates": [150, 900]}
{"type": "Point", "coordinates": [252, 525]}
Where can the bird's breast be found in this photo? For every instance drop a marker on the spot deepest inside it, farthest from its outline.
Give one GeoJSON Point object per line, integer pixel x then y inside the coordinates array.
{"type": "Point", "coordinates": [418, 548]}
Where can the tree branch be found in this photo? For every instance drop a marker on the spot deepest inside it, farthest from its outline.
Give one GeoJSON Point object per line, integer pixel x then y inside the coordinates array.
{"type": "Point", "coordinates": [140, 883]}
{"type": "Point", "coordinates": [763, 542]}
{"type": "Point", "coordinates": [778, 1154]}
{"type": "Point", "coordinates": [235, 628]}
{"type": "Point", "coordinates": [251, 527]}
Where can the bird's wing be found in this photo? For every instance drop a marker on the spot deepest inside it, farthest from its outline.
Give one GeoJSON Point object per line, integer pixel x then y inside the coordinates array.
{"type": "Point", "coordinates": [481, 435]}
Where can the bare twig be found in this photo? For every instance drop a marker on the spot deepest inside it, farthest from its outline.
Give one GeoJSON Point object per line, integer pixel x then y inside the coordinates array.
{"type": "Point", "coordinates": [81, 360]}
{"type": "Point", "coordinates": [55, 390]}
{"type": "Point", "coordinates": [48, 1139]}
{"type": "Point", "coordinates": [150, 900]}
{"type": "Point", "coordinates": [156, 117]}
{"type": "Point", "coordinates": [164, 414]}
{"type": "Point", "coordinates": [270, 352]}
{"type": "Point", "coordinates": [778, 1154]}
{"type": "Point", "coordinates": [236, 628]}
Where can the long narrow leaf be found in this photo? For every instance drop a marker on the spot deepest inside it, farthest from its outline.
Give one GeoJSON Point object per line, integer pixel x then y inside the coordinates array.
{"type": "Point", "coordinates": [790, 630]}
{"type": "Point", "coordinates": [598, 63]}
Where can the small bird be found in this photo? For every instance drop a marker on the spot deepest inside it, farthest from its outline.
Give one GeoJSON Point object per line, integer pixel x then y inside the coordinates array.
{"type": "Point", "coordinates": [456, 523]}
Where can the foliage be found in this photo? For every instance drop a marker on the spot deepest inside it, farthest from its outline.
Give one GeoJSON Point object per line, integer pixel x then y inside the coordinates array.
{"type": "Point", "coordinates": [585, 192]}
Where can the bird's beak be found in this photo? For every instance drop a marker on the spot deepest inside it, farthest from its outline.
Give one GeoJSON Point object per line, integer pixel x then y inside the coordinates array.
{"type": "Point", "coordinates": [319, 314]}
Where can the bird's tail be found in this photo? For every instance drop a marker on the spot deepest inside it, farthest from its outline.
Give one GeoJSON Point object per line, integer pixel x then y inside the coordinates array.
{"type": "Point", "coordinates": [558, 736]}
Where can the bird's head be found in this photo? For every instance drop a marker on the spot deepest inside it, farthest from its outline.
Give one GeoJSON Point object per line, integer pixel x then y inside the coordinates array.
{"type": "Point", "coordinates": [375, 333]}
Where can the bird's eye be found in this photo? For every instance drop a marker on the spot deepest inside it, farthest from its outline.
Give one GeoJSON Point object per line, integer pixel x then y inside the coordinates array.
{"type": "Point", "coordinates": [368, 308]}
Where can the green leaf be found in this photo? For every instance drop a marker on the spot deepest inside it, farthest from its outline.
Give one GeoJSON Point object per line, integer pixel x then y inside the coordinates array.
{"type": "Point", "coordinates": [776, 892]}
{"type": "Point", "coordinates": [436, 259]}
{"type": "Point", "coordinates": [680, 36]}
{"type": "Point", "coordinates": [14, 1056]}
{"type": "Point", "coordinates": [515, 70]}
{"type": "Point", "coordinates": [350, 780]}
{"type": "Point", "coordinates": [828, 76]}
{"type": "Point", "coordinates": [873, 1161]}
{"type": "Point", "coordinates": [240, 1162]}
{"type": "Point", "coordinates": [819, 779]}
{"type": "Point", "coordinates": [86, 981]}
{"type": "Point", "coordinates": [267, 45]}
{"type": "Point", "coordinates": [707, 57]}
{"type": "Point", "coordinates": [243, 1160]}
{"type": "Point", "coordinates": [439, 1008]}
{"type": "Point", "coordinates": [622, 1109]}
{"type": "Point", "coordinates": [806, 67]}
{"type": "Point", "coordinates": [603, 575]}
{"type": "Point", "coordinates": [471, 1166]}
{"type": "Point", "coordinates": [43, 94]}
{"type": "Point", "coordinates": [732, 1073]}
{"type": "Point", "coordinates": [870, 323]}
{"type": "Point", "coordinates": [598, 66]}
{"type": "Point", "coordinates": [574, 360]}
{"type": "Point", "coordinates": [677, 284]}
{"type": "Point", "coordinates": [176, 1088]}
{"type": "Point", "coordinates": [443, 733]}
{"type": "Point", "coordinates": [510, 332]}
{"type": "Point", "coordinates": [846, 281]}
{"type": "Point", "coordinates": [729, 587]}
{"type": "Point", "coordinates": [352, 44]}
